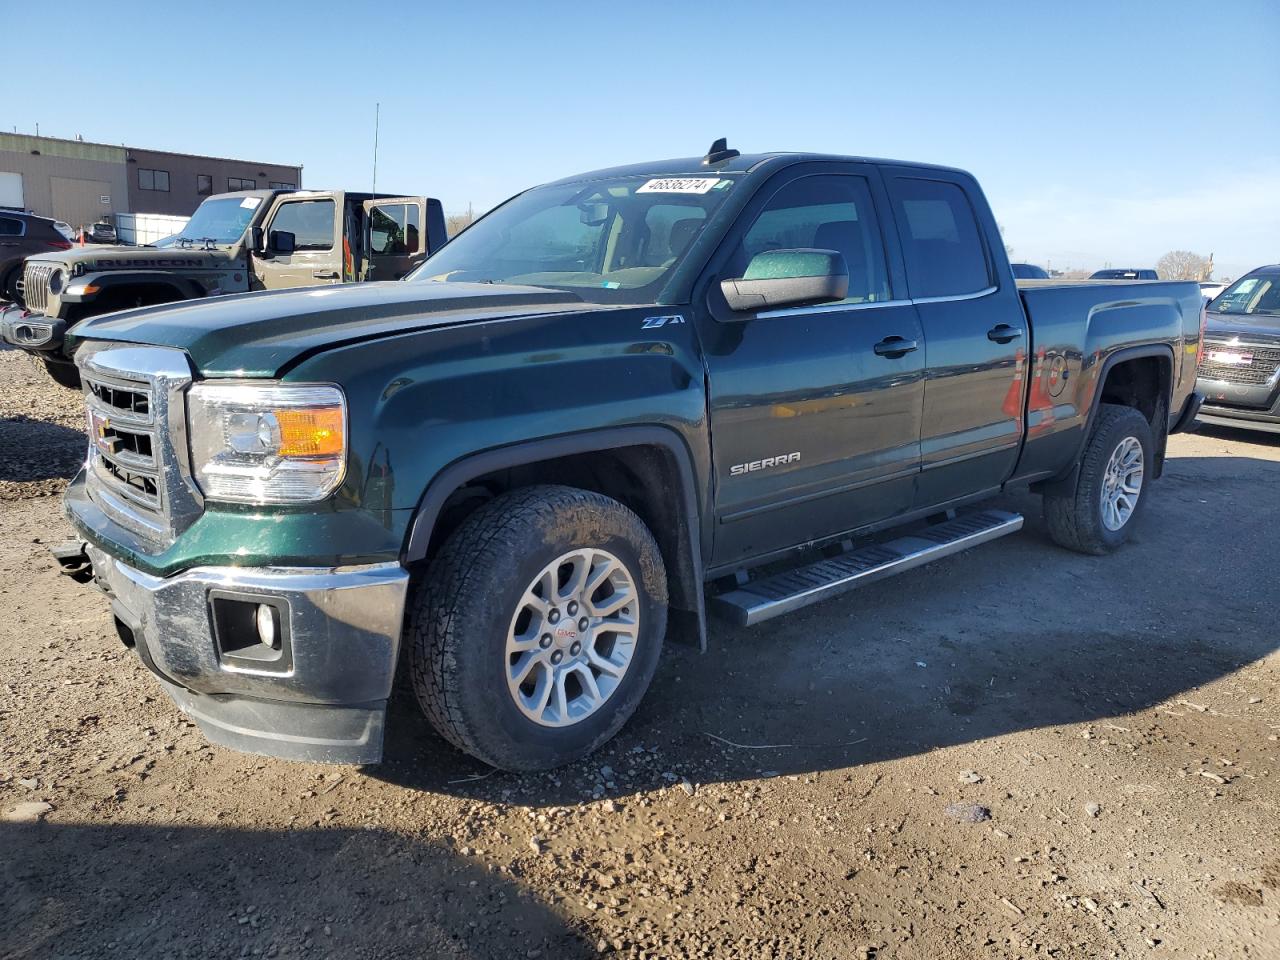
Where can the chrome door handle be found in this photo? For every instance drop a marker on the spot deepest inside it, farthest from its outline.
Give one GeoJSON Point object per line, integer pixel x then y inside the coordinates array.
{"type": "Point", "coordinates": [895, 347]}
{"type": "Point", "coordinates": [325, 274]}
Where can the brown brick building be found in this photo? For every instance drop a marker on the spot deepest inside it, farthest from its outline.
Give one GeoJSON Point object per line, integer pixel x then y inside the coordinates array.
{"type": "Point", "coordinates": [81, 182]}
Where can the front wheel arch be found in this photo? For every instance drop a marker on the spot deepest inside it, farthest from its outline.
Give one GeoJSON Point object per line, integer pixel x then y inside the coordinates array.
{"type": "Point", "coordinates": [656, 454]}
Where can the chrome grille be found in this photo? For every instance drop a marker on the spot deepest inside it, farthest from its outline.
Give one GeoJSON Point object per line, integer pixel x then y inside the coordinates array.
{"type": "Point", "coordinates": [1259, 371]}
{"type": "Point", "coordinates": [136, 466]}
{"type": "Point", "coordinates": [35, 286]}
{"type": "Point", "coordinates": [122, 452]}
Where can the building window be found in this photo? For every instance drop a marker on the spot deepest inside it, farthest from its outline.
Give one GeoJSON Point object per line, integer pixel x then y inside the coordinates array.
{"type": "Point", "coordinates": [204, 184]}
{"type": "Point", "coordinates": [153, 180]}
{"type": "Point", "coordinates": [237, 183]}
{"type": "Point", "coordinates": [281, 185]}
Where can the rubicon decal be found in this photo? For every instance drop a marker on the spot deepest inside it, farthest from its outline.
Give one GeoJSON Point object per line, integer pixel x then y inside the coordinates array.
{"type": "Point", "coordinates": [738, 469]}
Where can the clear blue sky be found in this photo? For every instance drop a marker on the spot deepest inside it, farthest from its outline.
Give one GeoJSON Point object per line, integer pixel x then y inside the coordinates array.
{"type": "Point", "coordinates": [1103, 132]}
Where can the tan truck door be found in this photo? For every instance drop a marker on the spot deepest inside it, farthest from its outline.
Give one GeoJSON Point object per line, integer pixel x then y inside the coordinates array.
{"type": "Point", "coordinates": [302, 243]}
{"type": "Point", "coordinates": [395, 241]}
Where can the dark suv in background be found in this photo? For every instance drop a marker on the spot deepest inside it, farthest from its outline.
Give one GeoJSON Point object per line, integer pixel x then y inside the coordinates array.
{"type": "Point", "coordinates": [21, 235]}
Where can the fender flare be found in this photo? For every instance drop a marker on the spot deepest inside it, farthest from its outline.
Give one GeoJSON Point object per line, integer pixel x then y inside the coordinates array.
{"type": "Point", "coordinates": [114, 279]}
{"type": "Point", "coordinates": [1067, 481]}
{"type": "Point", "coordinates": [461, 471]}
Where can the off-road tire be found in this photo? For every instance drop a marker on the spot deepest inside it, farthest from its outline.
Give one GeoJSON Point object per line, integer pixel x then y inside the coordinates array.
{"type": "Point", "coordinates": [460, 615]}
{"type": "Point", "coordinates": [65, 374]}
{"type": "Point", "coordinates": [1075, 518]}
{"type": "Point", "coordinates": [9, 285]}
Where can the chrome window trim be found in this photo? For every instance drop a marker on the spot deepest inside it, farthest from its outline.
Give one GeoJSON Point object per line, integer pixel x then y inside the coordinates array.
{"type": "Point", "coordinates": [986, 292]}
{"type": "Point", "coordinates": [830, 308]}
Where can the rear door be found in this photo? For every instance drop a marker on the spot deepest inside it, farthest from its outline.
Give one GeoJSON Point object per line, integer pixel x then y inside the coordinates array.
{"type": "Point", "coordinates": [395, 241]}
{"type": "Point", "coordinates": [815, 410]}
{"type": "Point", "coordinates": [316, 259]}
{"type": "Point", "coordinates": [975, 329]}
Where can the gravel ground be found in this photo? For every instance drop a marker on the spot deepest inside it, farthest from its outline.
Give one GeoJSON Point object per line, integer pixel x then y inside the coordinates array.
{"type": "Point", "coordinates": [1018, 752]}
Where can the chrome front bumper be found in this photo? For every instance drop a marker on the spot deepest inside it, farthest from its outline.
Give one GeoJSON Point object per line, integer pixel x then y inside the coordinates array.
{"type": "Point", "coordinates": [321, 697]}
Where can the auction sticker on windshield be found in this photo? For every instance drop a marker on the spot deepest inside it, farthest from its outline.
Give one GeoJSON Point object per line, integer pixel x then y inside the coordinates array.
{"type": "Point", "coordinates": [679, 185]}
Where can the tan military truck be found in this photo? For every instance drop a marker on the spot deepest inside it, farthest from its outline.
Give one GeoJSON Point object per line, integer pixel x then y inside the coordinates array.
{"type": "Point", "coordinates": [234, 243]}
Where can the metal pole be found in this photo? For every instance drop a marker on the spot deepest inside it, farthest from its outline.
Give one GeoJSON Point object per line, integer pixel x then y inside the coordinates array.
{"type": "Point", "coordinates": [377, 114]}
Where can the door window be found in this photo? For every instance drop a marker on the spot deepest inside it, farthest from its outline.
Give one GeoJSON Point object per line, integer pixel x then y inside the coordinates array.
{"type": "Point", "coordinates": [830, 212]}
{"type": "Point", "coordinates": [310, 222]}
{"type": "Point", "coordinates": [10, 228]}
{"type": "Point", "coordinates": [669, 229]}
{"type": "Point", "coordinates": [941, 242]}
{"type": "Point", "coordinates": [393, 229]}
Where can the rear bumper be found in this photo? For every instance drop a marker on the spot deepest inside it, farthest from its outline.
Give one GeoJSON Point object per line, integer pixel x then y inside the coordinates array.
{"type": "Point", "coordinates": [33, 332]}
{"type": "Point", "coordinates": [320, 697]}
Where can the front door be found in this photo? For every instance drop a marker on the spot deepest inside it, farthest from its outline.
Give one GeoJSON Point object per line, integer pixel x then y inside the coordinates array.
{"type": "Point", "coordinates": [976, 330]}
{"type": "Point", "coordinates": [316, 226]}
{"type": "Point", "coordinates": [396, 242]}
{"type": "Point", "coordinates": [815, 411]}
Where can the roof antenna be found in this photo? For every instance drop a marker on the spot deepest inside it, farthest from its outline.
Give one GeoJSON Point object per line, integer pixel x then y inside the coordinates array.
{"type": "Point", "coordinates": [719, 152]}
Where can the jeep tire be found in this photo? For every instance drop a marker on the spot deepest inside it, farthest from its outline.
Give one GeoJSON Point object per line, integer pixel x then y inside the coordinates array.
{"type": "Point", "coordinates": [537, 628]}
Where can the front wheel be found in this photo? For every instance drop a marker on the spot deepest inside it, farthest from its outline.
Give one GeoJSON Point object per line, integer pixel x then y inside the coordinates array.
{"type": "Point", "coordinates": [64, 373]}
{"type": "Point", "coordinates": [538, 627]}
{"type": "Point", "coordinates": [1110, 490]}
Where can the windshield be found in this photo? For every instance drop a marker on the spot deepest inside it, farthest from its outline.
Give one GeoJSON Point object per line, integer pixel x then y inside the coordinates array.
{"type": "Point", "coordinates": [610, 241]}
{"type": "Point", "coordinates": [1252, 295]}
{"type": "Point", "coordinates": [218, 221]}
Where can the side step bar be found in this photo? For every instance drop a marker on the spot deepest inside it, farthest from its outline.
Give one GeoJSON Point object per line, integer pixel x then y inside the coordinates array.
{"type": "Point", "coordinates": [760, 600]}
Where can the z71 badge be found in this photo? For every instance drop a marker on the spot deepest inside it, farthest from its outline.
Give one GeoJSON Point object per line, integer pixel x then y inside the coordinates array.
{"type": "Point", "coordinates": [653, 323]}
{"type": "Point", "coordinates": [738, 469]}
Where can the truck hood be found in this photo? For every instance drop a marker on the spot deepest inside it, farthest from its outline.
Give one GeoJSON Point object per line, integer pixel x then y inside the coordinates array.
{"type": "Point", "coordinates": [1247, 326]}
{"type": "Point", "coordinates": [257, 334]}
{"type": "Point", "coordinates": [95, 259]}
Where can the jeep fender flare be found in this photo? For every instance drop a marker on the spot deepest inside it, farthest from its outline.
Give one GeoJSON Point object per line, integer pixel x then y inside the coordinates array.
{"type": "Point", "coordinates": [185, 288]}
{"type": "Point", "coordinates": [460, 472]}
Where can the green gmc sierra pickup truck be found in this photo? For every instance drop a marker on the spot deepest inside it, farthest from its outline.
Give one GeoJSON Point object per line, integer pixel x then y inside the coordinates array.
{"type": "Point", "coordinates": [586, 422]}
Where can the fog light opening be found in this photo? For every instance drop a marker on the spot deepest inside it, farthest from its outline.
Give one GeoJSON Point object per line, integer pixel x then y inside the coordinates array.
{"type": "Point", "coordinates": [268, 630]}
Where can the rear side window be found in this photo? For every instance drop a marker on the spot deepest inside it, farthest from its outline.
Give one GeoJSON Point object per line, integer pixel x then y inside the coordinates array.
{"type": "Point", "coordinates": [10, 227]}
{"type": "Point", "coordinates": [310, 222]}
{"type": "Point", "coordinates": [941, 242]}
{"type": "Point", "coordinates": [828, 212]}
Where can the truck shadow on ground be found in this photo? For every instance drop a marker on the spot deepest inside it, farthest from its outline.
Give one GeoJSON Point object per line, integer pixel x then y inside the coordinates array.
{"type": "Point", "coordinates": [1014, 636]}
{"type": "Point", "coordinates": [39, 450]}
{"type": "Point", "coordinates": [143, 891]}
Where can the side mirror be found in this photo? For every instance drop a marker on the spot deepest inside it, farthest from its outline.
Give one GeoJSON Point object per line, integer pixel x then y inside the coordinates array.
{"type": "Point", "coordinates": [788, 278]}
{"type": "Point", "coordinates": [282, 242]}
{"type": "Point", "coordinates": [255, 240]}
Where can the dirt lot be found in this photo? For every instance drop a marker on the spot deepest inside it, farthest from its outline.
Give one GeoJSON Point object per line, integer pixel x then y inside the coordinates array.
{"type": "Point", "coordinates": [800, 791]}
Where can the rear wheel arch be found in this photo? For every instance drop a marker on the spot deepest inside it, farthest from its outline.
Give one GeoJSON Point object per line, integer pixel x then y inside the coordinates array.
{"type": "Point", "coordinates": [1126, 379]}
{"type": "Point", "coordinates": [648, 469]}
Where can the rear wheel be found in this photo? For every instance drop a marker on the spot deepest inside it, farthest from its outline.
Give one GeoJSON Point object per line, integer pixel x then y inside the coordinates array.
{"type": "Point", "coordinates": [1110, 490]}
{"type": "Point", "coordinates": [538, 627]}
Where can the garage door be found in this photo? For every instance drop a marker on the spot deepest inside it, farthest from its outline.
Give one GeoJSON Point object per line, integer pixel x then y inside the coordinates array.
{"type": "Point", "coordinates": [80, 202]}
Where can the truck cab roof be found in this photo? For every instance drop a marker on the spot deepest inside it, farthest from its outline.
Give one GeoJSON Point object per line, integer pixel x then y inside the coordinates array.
{"type": "Point", "coordinates": [749, 163]}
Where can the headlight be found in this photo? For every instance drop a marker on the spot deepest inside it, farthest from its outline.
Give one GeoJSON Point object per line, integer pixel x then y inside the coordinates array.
{"type": "Point", "coordinates": [267, 442]}
{"type": "Point", "coordinates": [55, 282]}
